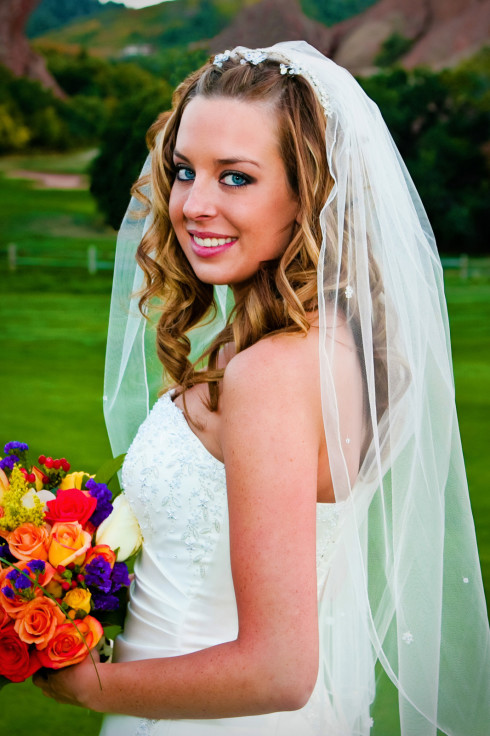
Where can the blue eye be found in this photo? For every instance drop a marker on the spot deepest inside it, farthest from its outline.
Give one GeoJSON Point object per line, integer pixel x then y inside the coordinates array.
{"type": "Point", "coordinates": [184, 174]}
{"type": "Point", "coordinates": [234, 179]}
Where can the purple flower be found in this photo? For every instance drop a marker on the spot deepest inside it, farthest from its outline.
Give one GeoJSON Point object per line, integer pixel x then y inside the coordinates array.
{"type": "Point", "coordinates": [19, 446]}
{"type": "Point", "coordinates": [104, 501]}
{"type": "Point", "coordinates": [120, 576]}
{"type": "Point", "coordinates": [105, 602]}
{"type": "Point", "coordinates": [23, 583]}
{"type": "Point", "coordinates": [37, 566]}
{"type": "Point", "coordinates": [98, 574]}
{"type": "Point", "coordinates": [8, 593]}
{"type": "Point", "coordinates": [8, 462]}
{"type": "Point", "coordinates": [12, 576]}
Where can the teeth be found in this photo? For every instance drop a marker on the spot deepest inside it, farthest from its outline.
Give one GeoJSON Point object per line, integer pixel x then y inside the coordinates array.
{"type": "Point", "coordinates": [212, 242]}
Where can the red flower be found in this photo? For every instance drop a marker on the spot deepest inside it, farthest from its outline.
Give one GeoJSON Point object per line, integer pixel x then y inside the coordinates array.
{"type": "Point", "coordinates": [16, 662]}
{"type": "Point", "coordinates": [4, 617]}
{"type": "Point", "coordinates": [71, 505]}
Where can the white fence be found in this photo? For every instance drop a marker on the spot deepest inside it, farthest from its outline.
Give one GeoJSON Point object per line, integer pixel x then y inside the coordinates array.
{"type": "Point", "coordinates": [465, 266]}
{"type": "Point", "coordinates": [91, 262]}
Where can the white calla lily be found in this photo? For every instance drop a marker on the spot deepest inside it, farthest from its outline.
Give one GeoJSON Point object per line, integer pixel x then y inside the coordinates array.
{"type": "Point", "coordinates": [121, 531]}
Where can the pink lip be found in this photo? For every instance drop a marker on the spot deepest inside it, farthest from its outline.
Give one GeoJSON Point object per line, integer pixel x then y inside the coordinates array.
{"type": "Point", "coordinates": [208, 235]}
{"type": "Point", "coordinates": [213, 250]}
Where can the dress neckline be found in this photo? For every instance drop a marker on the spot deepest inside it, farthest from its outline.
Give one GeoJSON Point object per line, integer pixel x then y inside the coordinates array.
{"type": "Point", "coordinates": [168, 396]}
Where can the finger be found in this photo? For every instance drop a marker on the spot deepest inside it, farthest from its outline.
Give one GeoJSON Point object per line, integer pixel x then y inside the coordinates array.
{"type": "Point", "coordinates": [40, 678]}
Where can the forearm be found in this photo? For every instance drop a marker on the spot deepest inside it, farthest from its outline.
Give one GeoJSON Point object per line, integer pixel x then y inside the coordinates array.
{"type": "Point", "coordinates": [223, 681]}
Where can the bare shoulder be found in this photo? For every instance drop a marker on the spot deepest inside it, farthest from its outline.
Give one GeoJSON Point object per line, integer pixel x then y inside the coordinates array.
{"type": "Point", "coordinates": [277, 366]}
{"type": "Point", "coordinates": [276, 382]}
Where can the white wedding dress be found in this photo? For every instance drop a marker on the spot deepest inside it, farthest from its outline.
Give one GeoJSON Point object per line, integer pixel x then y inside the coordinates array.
{"type": "Point", "coordinates": [182, 598]}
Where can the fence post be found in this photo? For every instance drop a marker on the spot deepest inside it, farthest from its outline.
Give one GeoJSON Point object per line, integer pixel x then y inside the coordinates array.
{"type": "Point", "coordinates": [463, 266]}
{"type": "Point", "coordinates": [92, 259]}
{"type": "Point", "coordinates": [12, 256]}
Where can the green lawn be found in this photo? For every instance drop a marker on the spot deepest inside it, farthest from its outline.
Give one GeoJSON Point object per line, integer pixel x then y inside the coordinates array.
{"type": "Point", "coordinates": [54, 325]}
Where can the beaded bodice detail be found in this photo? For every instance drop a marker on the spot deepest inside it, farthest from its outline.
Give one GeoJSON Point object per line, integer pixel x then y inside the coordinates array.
{"type": "Point", "coordinates": [176, 488]}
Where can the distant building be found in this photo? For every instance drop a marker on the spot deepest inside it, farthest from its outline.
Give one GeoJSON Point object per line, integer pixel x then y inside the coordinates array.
{"type": "Point", "coordinates": [136, 49]}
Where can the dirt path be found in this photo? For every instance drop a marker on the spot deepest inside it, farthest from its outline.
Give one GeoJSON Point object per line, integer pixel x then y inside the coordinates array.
{"type": "Point", "coordinates": [51, 181]}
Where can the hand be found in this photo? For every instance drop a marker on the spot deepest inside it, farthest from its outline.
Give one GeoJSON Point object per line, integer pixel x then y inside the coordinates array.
{"type": "Point", "coordinates": [70, 685]}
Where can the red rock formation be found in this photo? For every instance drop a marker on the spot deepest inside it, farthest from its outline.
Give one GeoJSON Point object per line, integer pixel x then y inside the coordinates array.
{"type": "Point", "coordinates": [443, 31]}
{"type": "Point", "coordinates": [15, 52]}
{"type": "Point", "coordinates": [269, 22]}
{"type": "Point", "coordinates": [454, 39]}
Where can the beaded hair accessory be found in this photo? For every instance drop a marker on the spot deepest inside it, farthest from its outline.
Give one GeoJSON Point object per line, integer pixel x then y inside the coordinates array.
{"type": "Point", "coordinates": [257, 56]}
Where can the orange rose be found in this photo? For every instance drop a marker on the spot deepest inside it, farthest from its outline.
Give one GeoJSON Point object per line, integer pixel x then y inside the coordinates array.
{"type": "Point", "coordinates": [4, 484]}
{"type": "Point", "coordinates": [14, 605]}
{"type": "Point", "coordinates": [71, 643]}
{"type": "Point", "coordinates": [29, 542]}
{"type": "Point", "coordinates": [101, 550]}
{"type": "Point", "coordinates": [38, 621]}
{"type": "Point", "coordinates": [68, 543]}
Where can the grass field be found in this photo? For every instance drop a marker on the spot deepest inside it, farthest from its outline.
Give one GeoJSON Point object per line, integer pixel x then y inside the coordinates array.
{"type": "Point", "coordinates": [54, 324]}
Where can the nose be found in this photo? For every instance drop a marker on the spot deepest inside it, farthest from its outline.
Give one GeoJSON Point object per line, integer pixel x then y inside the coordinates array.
{"type": "Point", "coordinates": [200, 200]}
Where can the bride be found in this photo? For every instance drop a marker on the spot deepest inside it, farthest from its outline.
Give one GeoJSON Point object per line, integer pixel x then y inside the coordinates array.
{"type": "Point", "coordinates": [299, 481]}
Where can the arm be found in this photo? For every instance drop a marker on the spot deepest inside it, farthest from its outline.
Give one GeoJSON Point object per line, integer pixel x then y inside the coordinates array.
{"type": "Point", "coordinates": [270, 446]}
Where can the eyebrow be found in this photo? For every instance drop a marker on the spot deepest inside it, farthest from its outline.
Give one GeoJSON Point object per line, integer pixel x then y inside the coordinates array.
{"type": "Point", "coordinates": [222, 161]}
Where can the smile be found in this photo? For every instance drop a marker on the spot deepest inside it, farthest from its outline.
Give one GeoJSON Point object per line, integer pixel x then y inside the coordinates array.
{"type": "Point", "coordinates": [212, 242]}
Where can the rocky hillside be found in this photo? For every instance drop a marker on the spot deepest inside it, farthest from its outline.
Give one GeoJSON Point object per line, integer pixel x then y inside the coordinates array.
{"type": "Point", "coordinates": [435, 33]}
{"type": "Point", "coordinates": [441, 32]}
{"type": "Point", "coordinates": [270, 21]}
{"type": "Point", "coordinates": [15, 52]}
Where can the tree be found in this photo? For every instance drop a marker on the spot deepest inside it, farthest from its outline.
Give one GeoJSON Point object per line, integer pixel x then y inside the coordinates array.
{"type": "Point", "coordinates": [440, 123]}
{"type": "Point", "coordinates": [123, 150]}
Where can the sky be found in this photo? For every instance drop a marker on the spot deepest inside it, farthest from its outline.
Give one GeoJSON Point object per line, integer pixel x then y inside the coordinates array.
{"type": "Point", "coordinates": [137, 3]}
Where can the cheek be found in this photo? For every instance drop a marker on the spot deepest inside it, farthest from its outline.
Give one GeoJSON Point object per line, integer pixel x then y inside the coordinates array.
{"type": "Point", "coordinates": [175, 205]}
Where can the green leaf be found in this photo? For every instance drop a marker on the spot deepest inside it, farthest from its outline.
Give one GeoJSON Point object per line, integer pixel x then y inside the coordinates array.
{"type": "Point", "coordinates": [4, 681]}
{"type": "Point", "coordinates": [111, 631]}
{"type": "Point", "coordinates": [131, 560]}
{"type": "Point", "coordinates": [107, 474]}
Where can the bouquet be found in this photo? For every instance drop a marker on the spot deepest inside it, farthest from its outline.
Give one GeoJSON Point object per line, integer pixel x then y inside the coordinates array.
{"type": "Point", "coordinates": [65, 546]}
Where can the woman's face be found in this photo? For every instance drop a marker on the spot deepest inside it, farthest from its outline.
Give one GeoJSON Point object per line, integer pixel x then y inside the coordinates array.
{"type": "Point", "coordinates": [231, 205]}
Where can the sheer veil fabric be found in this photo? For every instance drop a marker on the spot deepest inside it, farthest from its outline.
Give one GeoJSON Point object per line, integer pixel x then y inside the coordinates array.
{"type": "Point", "coordinates": [404, 586]}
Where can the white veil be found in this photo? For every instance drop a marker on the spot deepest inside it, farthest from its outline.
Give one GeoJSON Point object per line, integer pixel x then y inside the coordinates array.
{"type": "Point", "coordinates": [404, 584]}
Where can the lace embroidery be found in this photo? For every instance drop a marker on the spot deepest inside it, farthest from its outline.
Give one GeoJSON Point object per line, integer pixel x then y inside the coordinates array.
{"type": "Point", "coordinates": [165, 460]}
{"type": "Point", "coordinates": [145, 727]}
{"type": "Point", "coordinates": [328, 516]}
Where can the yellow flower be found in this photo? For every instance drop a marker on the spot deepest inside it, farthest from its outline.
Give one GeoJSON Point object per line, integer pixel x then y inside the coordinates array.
{"type": "Point", "coordinates": [78, 599]}
{"type": "Point", "coordinates": [68, 543]}
{"type": "Point", "coordinates": [74, 480]}
{"type": "Point", "coordinates": [15, 512]}
{"type": "Point", "coordinates": [54, 588]}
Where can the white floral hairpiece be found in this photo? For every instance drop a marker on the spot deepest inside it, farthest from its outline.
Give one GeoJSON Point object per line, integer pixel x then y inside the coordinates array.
{"type": "Point", "coordinates": [257, 56]}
